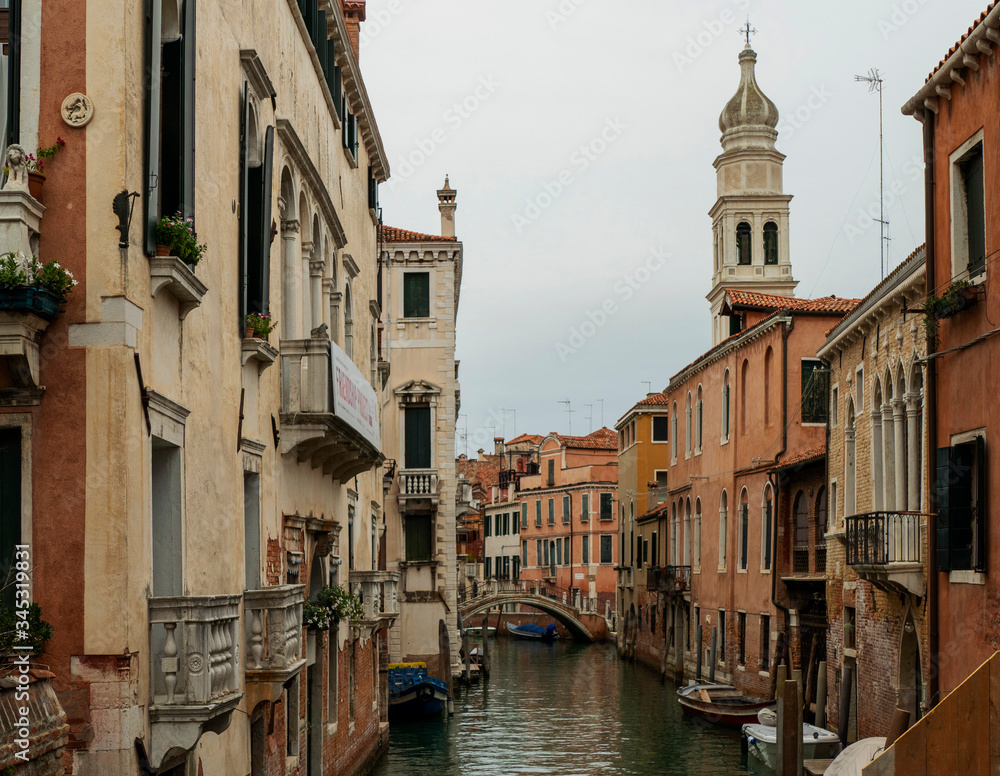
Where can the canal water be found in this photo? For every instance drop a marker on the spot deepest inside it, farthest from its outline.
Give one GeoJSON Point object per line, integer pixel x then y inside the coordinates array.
{"type": "Point", "coordinates": [563, 709]}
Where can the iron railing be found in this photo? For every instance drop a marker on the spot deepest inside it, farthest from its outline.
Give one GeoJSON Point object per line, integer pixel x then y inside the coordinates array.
{"type": "Point", "coordinates": [881, 538]}
{"type": "Point", "coordinates": [671, 580]}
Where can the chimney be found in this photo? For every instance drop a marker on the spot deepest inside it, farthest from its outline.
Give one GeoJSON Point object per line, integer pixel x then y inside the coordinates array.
{"type": "Point", "coordinates": [498, 445]}
{"type": "Point", "coordinates": [354, 14]}
{"type": "Point", "coordinates": [446, 204]}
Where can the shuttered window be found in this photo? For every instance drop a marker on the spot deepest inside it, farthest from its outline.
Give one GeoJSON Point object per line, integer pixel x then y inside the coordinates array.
{"type": "Point", "coordinates": [416, 295]}
{"type": "Point", "coordinates": [606, 549]}
{"type": "Point", "coordinates": [418, 537]}
{"type": "Point", "coordinates": [585, 508]}
{"type": "Point", "coordinates": [661, 428]}
{"type": "Point", "coordinates": [418, 438]}
{"type": "Point", "coordinates": [585, 550]}
{"type": "Point", "coordinates": [255, 214]}
{"type": "Point", "coordinates": [538, 512]}
{"type": "Point", "coordinates": [962, 509]}
{"type": "Point", "coordinates": [10, 506]}
{"type": "Point", "coordinates": [606, 507]}
{"type": "Point", "coordinates": [815, 401]}
{"type": "Point", "coordinates": [975, 209]}
{"type": "Point", "coordinates": [566, 514]}
{"type": "Point", "coordinates": [524, 519]}
{"type": "Point", "coordinates": [552, 511]}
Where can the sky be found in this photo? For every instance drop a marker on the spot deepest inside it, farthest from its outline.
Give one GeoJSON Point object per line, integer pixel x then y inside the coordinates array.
{"type": "Point", "coordinates": [580, 136]}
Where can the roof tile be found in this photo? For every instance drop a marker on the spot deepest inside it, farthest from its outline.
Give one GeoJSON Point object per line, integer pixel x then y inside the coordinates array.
{"type": "Point", "coordinates": [954, 48]}
{"type": "Point", "coordinates": [392, 234]}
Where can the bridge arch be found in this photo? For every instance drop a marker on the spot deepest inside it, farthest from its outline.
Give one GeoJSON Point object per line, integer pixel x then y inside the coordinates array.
{"type": "Point", "coordinates": [579, 631]}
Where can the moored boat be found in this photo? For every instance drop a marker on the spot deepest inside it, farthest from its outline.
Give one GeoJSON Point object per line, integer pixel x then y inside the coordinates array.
{"type": "Point", "coordinates": [720, 704]}
{"type": "Point", "coordinates": [477, 630]}
{"type": "Point", "coordinates": [761, 741]}
{"type": "Point", "coordinates": [532, 631]}
{"type": "Point", "coordinates": [412, 693]}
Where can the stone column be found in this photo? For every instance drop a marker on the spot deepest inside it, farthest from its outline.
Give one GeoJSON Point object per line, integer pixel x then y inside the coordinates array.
{"type": "Point", "coordinates": [316, 267]}
{"type": "Point", "coordinates": [888, 459]}
{"type": "Point", "coordinates": [328, 289]}
{"type": "Point", "coordinates": [289, 293]}
{"type": "Point", "coordinates": [901, 453]}
{"type": "Point", "coordinates": [306, 310]}
{"type": "Point", "coordinates": [913, 445]}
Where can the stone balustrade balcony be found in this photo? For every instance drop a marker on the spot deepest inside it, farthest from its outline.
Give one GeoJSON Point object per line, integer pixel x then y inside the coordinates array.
{"type": "Point", "coordinates": [194, 666]}
{"type": "Point", "coordinates": [885, 549]}
{"type": "Point", "coordinates": [379, 593]}
{"type": "Point", "coordinates": [275, 655]}
{"type": "Point", "coordinates": [669, 580]}
{"type": "Point", "coordinates": [418, 485]}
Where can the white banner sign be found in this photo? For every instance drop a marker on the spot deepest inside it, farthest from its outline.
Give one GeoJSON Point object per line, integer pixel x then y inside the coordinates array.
{"type": "Point", "coordinates": [354, 399]}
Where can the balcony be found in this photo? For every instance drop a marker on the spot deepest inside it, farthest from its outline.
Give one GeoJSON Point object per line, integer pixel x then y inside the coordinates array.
{"type": "Point", "coordinates": [417, 487]}
{"type": "Point", "coordinates": [194, 666]}
{"type": "Point", "coordinates": [333, 429]}
{"type": "Point", "coordinates": [379, 597]}
{"type": "Point", "coordinates": [625, 576]}
{"type": "Point", "coordinates": [508, 477]}
{"type": "Point", "coordinates": [670, 580]}
{"type": "Point", "coordinates": [884, 548]}
{"type": "Point", "coordinates": [274, 640]}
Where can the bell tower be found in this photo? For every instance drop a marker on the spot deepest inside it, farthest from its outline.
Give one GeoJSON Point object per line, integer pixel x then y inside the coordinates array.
{"type": "Point", "coordinates": [750, 216]}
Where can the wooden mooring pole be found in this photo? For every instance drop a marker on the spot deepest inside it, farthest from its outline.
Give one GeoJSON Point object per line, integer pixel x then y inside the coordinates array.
{"type": "Point", "coordinates": [789, 730]}
{"type": "Point", "coordinates": [711, 655]}
{"type": "Point", "coordinates": [821, 695]}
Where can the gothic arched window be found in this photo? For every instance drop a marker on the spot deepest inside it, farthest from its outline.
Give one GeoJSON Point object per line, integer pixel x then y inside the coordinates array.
{"type": "Point", "coordinates": [743, 238]}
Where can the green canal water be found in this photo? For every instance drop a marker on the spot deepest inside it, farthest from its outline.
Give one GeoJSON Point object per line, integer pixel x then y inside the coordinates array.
{"type": "Point", "coordinates": [563, 709]}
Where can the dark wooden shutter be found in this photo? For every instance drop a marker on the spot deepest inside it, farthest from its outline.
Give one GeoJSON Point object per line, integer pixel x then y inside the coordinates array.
{"type": "Point", "coordinates": [972, 173]}
{"type": "Point", "coordinates": [10, 504]}
{"type": "Point", "coordinates": [955, 506]}
{"type": "Point", "coordinates": [418, 537]}
{"type": "Point", "coordinates": [267, 186]}
{"type": "Point", "coordinates": [418, 438]}
{"type": "Point", "coordinates": [981, 506]}
{"type": "Point", "coordinates": [943, 521]}
{"type": "Point", "coordinates": [154, 20]}
{"type": "Point", "coordinates": [13, 134]}
{"type": "Point", "coordinates": [416, 295]}
{"type": "Point", "coordinates": [189, 57]}
{"type": "Point", "coordinates": [244, 203]}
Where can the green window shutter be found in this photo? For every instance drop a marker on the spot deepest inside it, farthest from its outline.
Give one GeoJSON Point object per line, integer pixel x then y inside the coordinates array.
{"type": "Point", "coordinates": [418, 537]}
{"type": "Point", "coordinates": [417, 295]}
{"type": "Point", "coordinates": [552, 473]}
{"type": "Point", "coordinates": [552, 511]}
{"type": "Point", "coordinates": [486, 526]}
{"type": "Point", "coordinates": [538, 512]}
{"type": "Point", "coordinates": [605, 549]}
{"type": "Point", "coordinates": [606, 506]}
{"type": "Point", "coordinates": [585, 507]}
{"type": "Point", "coordinates": [585, 550]}
{"type": "Point", "coordinates": [154, 51]}
{"type": "Point", "coordinates": [13, 72]}
{"type": "Point", "coordinates": [559, 553]}
{"type": "Point", "coordinates": [566, 509]}
{"type": "Point", "coordinates": [244, 206]}
{"type": "Point", "coordinates": [418, 438]}
{"type": "Point", "coordinates": [189, 59]}
{"type": "Point", "coordinates": [955, 507]}
{"type": "Point", "coordinates": [524, 518]}
{"type": "Point", "coordinates": [981, 513]}
{"type": "Point", "coordinates": [264, 227]}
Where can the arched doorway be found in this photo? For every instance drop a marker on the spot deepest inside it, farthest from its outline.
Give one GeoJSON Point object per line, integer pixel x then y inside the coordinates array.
{"type": "Point", "coordinates": [910, 693]}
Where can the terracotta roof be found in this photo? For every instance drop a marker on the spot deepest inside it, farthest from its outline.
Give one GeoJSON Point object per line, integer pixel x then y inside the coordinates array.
{"type": "Point", "coordinates": [803, 458]}
{"type": "Point", "coordinates": [393, 234]}
{"type": "Point", "coordinates": [954, 48]}
{"type": "Point", "coordinates": [602, 439]}
{"type": "Point", "coordinates": [654, 512]}
{"type": "Point", "coordinates": [757, 301]}
{"type": "Point", "coordinates": [533, 438]}
{"type": "Point", "coordinates": [485, 470]}
{"type": "Point", "coordinates": [656, 400]}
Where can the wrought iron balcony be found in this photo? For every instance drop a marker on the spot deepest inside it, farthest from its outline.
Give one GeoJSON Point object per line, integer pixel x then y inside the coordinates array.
{"type": "Point", "coordinates": [885, 549]}
{"type": "Point", "coordinates": [671, 580]}
{"type": "Point", "coordinates": [194, 665]}
{"type": "Point", "coordinates": [274, 640]}
{"type": "Point", "coordinates": [418, 485]}
{"type": "Point", "coordinates": [379, 597]}
{"type": "Point", "coordinates": [508, 477]}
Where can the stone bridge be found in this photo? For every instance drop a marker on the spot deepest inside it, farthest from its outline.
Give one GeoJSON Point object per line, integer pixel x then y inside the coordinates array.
{"type": "Point", "coordinates": [586, 619]}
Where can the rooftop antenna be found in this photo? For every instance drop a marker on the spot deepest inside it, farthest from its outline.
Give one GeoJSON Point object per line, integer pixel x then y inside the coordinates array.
{"type": "Point", "coordinates": [874, 81]}
{"type": "Point", "coordinates": [590, 417]}
{"type": "Point", "coordinates": [649, 386]}
{"type": "Point", "coordinates": [569, 411]}
{"type": "Point", "coordinates": [747, 30]}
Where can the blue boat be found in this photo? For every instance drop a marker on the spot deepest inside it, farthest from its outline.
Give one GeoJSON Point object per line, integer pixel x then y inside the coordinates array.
{"type": "Point", "coordinates": [414, 694]}
{"type": "Point", "coordinates": [532, 631]}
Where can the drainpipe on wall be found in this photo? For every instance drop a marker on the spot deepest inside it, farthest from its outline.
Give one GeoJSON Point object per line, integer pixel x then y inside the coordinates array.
{"type": "Point", "coordinates": [931, 395]}
{"type": "Point", "coordinates": [785, 331]}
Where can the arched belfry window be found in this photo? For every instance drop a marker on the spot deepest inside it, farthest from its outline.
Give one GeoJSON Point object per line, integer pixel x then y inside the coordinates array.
{"type": "Point", "coordinates": [744, 235]}
{"type": "Point", "coordinates": [770, 243]}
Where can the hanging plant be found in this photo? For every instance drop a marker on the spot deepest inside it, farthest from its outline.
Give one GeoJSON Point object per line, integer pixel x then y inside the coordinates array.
{"type": "Point", "coordinates": [315, 616]}
{"type": "Point", "coordinates": [341, 604]}
{"type": "Point", "coordinates": [959, 296]}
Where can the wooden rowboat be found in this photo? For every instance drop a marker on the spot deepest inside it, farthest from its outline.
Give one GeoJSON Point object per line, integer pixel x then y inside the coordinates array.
{"type": "Point", "coordinates": [720, 704]}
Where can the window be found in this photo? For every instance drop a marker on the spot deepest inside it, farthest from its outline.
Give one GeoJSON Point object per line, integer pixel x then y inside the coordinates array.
{"type": "Point", "coordinates": [607, 512]}
{"type": "Point", "coordinates": [417, 295]}
{"type": "Point", "coordinates": [722, 635]}
{"type": "Point", "coordinates": [524, 515]}
{"type": "Point", "coordinates": [488, 569]}
{"type": "Point", "coordinates": [673, 433]}
{"type": "Point", "coordinates": [10, 509]}
{"type": "Point", "coordinates": [699, 416]}
{"type": "Point", "coordinates": [348, 321]}
{"type": "Point", "coordinates": [417, 424]}
{"type": "Point", "coordinates": [662, 489]}
{"type": "Point", "coordinates": [585, 550]}
{"type": "Point", "coordinates": [968, 208]}
{"type": "Point", "coordinates": [768, 362]}
{"type": "Point", "coordinates": [744, 236]}
{"type": "Point", "coordinates": [418, 537]}
{"type": "Point", "coordinates": [538, 512]}
{"type": "Point", "coordinates": [552, 473]}
{"type": "Point", "coordinates": [515, 523]}
{"type": "Point", "coordinates": [850, 621]}
{"type": "Point", "coordinates": [566, 515]}
{"type": "Point", "coordinates": [559, 554]}
{"type": "Point", "coordinates": [251, 529]}
{"type": "Point", "coordinates": [725, 407]}
{"type": "Point", "coordinates": [638, 552]}
{"type": "Point", "coordinates": [170, 120]}
{"type": "Point", "coordinates": [696, 552]}
{"type": "Point", "coordinates": [744, 530]}
{"type": "Point", "coordinates": [256, 173]}
{"type": "Point", "coordinates": [770, 243]}
{"type": "Point", "coordinates": [552, 511]}
{"type": "Point", "coordinates": [766, 520]}
{"type": "Point", "coordinates": [566, 552]}
{"type": "Point", "coordinates": [167, 538]}
{"type": "Point", "coordinates": [744, 391]}
{"type": "Point", "coordinates": [332, 700]}
{"type": "Point", "coordinates": [815, 380]}
{"type": "Point", "coordinates": [821, 530]}
{"type": "Point", "coordinates": [686, 543]}
{"type": "Point", "coordinates": [487, 526]}
{"type": "Point", "coordinates": [655, 559]}
{"type": "Point", "coordinates": [538, 552]}
{"type": "Point", "coordinates": [524, 553]}
{"type": "Point", "coordinates": [585, 508]}
{"type": "Point", "coordinates": [606, 548]}
{"type": "Point", "coordinates": [741, 636]}
{"type": "Point", "coordinates": [547, 552]}
{"type": "Point", "coordinates": [661, 428]}
{"type": "Point", "coordinates": [961, 499]}
{"type": "Point", "coordinates": [834, 406]}
{"type": "Point", "coordinates": [723, 516]}
{"type": "Point", "coordinates": [673, 535]}
{"type": "Point", "coordinates": [800, 551]}
{"type": "Point", "coordinates": [765, 642]}
{"type": "Point", "coordinates": [292, 718]}
{"type": "Point", "coordinates": [687, 426]}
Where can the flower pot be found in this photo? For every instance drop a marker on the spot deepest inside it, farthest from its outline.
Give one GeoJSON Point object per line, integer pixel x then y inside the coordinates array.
{"type": "Point", "coordinates": [35, 182]}
{"type": "Point", "coordinates": [31, 299]}
{"type": "Point", "coordinates": [162, 250]}
{"type": "Point", "coordinates": [248, 333]}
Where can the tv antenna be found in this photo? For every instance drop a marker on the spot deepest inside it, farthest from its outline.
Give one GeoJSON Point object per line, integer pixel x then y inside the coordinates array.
{"type": "Point", "coordinates": [874, 81]}
{"type": "Point", "coordinates": [505, 411]}
{"type": "Point", "coordinates": [569, 411]}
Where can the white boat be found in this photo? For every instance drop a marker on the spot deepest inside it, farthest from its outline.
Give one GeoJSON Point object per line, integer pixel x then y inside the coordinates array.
{"type": "Point", "coordinates": [762, 742]}
{"type": "Point", "coordinates": [477, 630]}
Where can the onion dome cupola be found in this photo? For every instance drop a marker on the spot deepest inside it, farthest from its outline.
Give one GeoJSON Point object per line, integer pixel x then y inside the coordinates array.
{"type": "Point", "coordinates": [749, 117]}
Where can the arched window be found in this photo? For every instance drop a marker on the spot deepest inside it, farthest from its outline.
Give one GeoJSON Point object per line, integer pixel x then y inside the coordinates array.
{"type": "Point", "coordinates": [766, 528]}
{"type": "Point", "coordinates": [687, 532]}
{"type": "Point", "coordinates": [800, 551]}
{"type": "Point", "coordinates": [348, 322]}
{"type": "Point", "coordinates": [770, 243]}
{"type": "Point", "coordinates": [673, 534]}
{"type": "Point", "coordinates": [744, 236]}
{"type": "Point", "coordinates": [696, 548]}
{"type": "Point", "coordinates": [725, 406]}
{"type": "Point", "coordinates": [744, 381]}
{"type": "Point", "coordinates": [699, 417]}
{"type": "Point", "coordinates": [687, 426]}
{"type": "Point", "coordinates": [821, 530]}
{"type": "Point", "coordinates": [849, 462]}
{"type": "Point", "coordinates": [744, 529]}
{"type": "Point", "coordinates": [723, 518]}
{"type": "Point", "coordinates": [878, 450]}
{"type": "Point", "coordinates": [673, 433]}
{"type": "Point", "coordinates": [914, 439]}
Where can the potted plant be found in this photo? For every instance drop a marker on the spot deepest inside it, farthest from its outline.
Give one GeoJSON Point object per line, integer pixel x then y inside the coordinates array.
{"type": "Point", "coordinates": [175, 236]}
{"type": "Point", "coordinates": [35, 165]}
{"type": "Point", "coordinates": [27, 285]}
{"type": "Point", "coordinates": [259, 325]}
{"type": "Point", "coordinates": [39, 631]}
{"type": "Point", "coordinates": [959, 296]}
{"type": "Point", "coordinates": [340, 603]}
{"type": "Point", "coordinates": [315, 617]}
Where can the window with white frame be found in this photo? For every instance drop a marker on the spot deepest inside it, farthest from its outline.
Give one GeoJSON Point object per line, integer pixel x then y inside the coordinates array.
{"type": "Point", "coordinates": [968, 209]}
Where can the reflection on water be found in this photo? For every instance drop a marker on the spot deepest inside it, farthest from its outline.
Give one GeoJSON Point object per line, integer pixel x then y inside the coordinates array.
{"type": "Point", "coordinates": [567, 710]}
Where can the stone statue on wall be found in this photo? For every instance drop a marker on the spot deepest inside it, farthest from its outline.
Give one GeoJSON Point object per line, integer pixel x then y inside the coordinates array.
{"type": "Point", "coordinates": [16, 167]}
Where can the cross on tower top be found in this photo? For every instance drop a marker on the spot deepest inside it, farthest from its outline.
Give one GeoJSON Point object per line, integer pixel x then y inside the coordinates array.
{"type": "Point", "coordinates": [747, 30]}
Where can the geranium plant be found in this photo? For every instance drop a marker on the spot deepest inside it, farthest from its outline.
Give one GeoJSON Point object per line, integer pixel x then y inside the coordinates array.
{"type": "Point", "coordinates": [341, 604]}
{"type": "Point", "coordinates": [177, 233]}
{"type": "Point", "coordinates": [18, 269]}
{"type": "Point", "coordinates": [315, 616]}
{"type": "Point", "coordinates": [261, 323]}
{"type": "Point", "coordinates": [36, 162]}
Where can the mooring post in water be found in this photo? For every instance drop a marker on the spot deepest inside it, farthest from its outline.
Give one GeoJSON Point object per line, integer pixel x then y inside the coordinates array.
{"type": "Point", "coordinates": [789, 730]}
{"type": "Point", "coordinates": [697, 645]}
{"type": "Point", "coordinates": [484, 665]}
{"type": "Point", "coordinates": [680, 641]}
{"type": "Point", "coordinates": [711, 655]}
{"type": "Point", "coordinates": [821, 695]}
{"type": "Point", "coordinates": [444, 662]}
{"type": "Point", "coordinates": [779, 687]}
{"type": "Point", "coordinates": [846, 688]}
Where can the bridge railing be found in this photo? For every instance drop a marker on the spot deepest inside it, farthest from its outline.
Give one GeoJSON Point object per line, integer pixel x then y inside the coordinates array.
{"type": "Point", "coordinates": [477, 589]}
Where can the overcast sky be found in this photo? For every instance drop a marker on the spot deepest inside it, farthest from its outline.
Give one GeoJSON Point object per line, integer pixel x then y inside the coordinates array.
{"type": "Point", "coordinates": [580, 136]}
